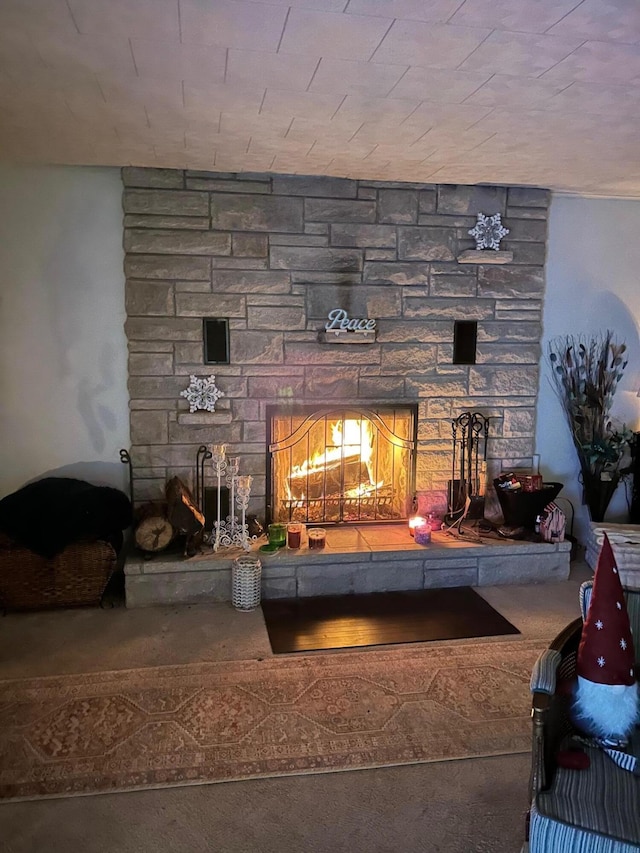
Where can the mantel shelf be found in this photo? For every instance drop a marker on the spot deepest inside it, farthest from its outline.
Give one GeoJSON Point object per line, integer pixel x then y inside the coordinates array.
{"type": "Point", "coordinates": [484, 256]}
{"type": "Point", "coordinates": [345, 336]}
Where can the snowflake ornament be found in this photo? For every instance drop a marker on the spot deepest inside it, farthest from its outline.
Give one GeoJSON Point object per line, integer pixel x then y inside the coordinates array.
{"type": "Point", "coordinates": [599, 625]}
{"type": "Point", "coordinates": [601, 661]}
{"type": "Point", "coordinates": [202, 393]}
{"type": "Point", "coordinates": [488, 231]}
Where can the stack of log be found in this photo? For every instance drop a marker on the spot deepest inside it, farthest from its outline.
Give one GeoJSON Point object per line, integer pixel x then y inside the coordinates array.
{"type": "Point", "coordinates": [158, 523]}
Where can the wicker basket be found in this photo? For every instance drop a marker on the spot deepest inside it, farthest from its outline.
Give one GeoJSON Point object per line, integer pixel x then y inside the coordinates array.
{"type": "Point", "coordinates": [76, 577]}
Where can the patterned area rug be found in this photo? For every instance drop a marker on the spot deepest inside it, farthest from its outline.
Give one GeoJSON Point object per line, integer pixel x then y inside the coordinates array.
{"type": "Point", "coordinates": [199, 723]}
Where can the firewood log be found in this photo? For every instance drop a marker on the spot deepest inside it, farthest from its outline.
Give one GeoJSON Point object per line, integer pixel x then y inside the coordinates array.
{"type": "Point", "coordinates": [154, 531]}
{"type": "Point", "coordinates": [183, 514]}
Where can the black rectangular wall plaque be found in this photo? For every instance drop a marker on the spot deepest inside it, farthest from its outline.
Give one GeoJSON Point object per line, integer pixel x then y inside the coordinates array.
{"type": "Point", "coordinates": [216, 340]}
{"type": "Point", "coordinates": [465, 335]}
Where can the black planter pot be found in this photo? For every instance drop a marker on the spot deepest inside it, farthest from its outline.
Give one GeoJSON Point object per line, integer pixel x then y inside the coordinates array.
{"type": "Point", "coordinates": [597, 495]}
{"type": "Point", "coordinates": [520, 508]}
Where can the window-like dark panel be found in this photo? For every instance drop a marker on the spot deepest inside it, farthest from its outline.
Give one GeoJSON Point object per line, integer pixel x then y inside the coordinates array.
{"type": "Point", "coordinates": [216, 340]}
{"type": "Point", "coordinates": [465, 335]}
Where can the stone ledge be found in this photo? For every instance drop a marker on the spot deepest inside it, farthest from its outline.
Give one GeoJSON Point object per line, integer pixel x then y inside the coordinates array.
{"type": "Point", "coordinates": [484, 256]}
{"type": "Point", "coordinates": [360, 566]}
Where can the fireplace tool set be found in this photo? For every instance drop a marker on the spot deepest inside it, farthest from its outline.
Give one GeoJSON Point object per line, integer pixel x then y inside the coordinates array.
{"type": "Point", "coordinates": [470, 432]}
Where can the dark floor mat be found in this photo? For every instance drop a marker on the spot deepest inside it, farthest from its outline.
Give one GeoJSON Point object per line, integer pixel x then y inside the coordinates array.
{"type": "Point", "coordinates": [380, 618]}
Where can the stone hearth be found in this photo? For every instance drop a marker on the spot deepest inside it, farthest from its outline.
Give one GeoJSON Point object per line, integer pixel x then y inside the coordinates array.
{"type": "Point", "coordinates": [356, 560]}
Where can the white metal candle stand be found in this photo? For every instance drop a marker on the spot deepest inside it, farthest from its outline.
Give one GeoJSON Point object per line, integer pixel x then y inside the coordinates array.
{"type": "Point", "coordinates": [230, 533]}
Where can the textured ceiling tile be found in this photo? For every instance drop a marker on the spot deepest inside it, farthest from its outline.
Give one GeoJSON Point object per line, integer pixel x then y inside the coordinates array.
{"type": "Point", "coordinates": [253, 124]}
{"type": "Point", "coordinates": [235, 161]}
{"type": "Point", "coordinates": [333, 148]}
{"type": "Point", "coordinates": [107, 116]}
{"type": "Point", "coordinates": [128, 18]}
{"type": "Point", "coordinates": [515, 91]}
{"type": "Point", "coordinates": [122, 91]}
{"type": "Point", "coordinates": [343, 166]}
{"type": "Point", "coordinates": [17, 48]}
{"type": "Point", "coordinates": [246, 26]}
{"type": "Point", "coordinates": [86, 54]}
{"type": "Point", "coordinates": [229, 98]}
{"type": "Point", "coordinates": [343, 76]}
{"type": "Point", "coordinates": [602, 20]}
{"type": "Point", "coordinates": [37, 16]}
{"type": "Point", "coordinates": [293, 164]}
{"type": "Point", "coordinates": [433, 11]}
{"type": "Point", "coordinates": [329, 34]}
{"type": "Point", "coordinates": [429, 45]}
{"type": "Point", "coordinates": [383, 110]}
{"type": "Point", "coordinates": [518, 110]}
{"type": "Point", "coordinates": [518, 54]}
{"type": "Point", "coordinates": [320, 5]}
{"type": "Point", "coordinates": [196, 64]}
{"type": "Point", "coordinates": [597, 98]}
{"type": "Point", "coordinates": [311, 128]}
{"type": "Point", "coordinates": [40, 79]}
{"type": "Point", "coordinates": [460, 116]}
{"type": "Point", "coordinates": [261, 69]}
{"type": "Point", "coordinates": [300, 104]}
{"type": "Point", "coordinates": [514, 15]}
{"type": "Point", "coordinates": [375, 133]}
{"type": "Point", "coordinates": [452, 139]}
{"type": "Point", "coordinates": [599, 62]}
{"type": "Point", "coordinates": [430, 84]}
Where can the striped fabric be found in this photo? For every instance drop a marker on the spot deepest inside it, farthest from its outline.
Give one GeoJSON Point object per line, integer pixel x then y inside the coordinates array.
{"type": "Point", "coordinates": [624, 760]}
{"type": "Point", "coordinates": [550, 836]}
{"type": "Point", "coordinates": [543, 677]}
{"type": "Point", "coordinates": [603, 799]}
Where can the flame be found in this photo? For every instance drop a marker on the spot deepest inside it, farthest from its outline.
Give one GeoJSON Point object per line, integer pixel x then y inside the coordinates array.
{"type": "Point", "coordinates": [352, 437]}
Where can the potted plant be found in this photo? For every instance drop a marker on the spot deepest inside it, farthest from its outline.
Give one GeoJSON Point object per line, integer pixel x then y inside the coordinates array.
{"type": "Point", "coordinates": [585, 373]}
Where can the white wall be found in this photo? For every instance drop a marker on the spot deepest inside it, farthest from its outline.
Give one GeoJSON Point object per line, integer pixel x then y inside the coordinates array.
{"type": "Point", "coordinates": [593, 284]}
{"type": "Point", "coordinates": [63, 366]}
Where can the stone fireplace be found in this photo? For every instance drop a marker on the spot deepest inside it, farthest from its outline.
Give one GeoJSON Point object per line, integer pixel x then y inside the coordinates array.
{"type": "Point", "coordinates": [273, 255]}
{"type": "Point", "coordinates": [349, 465]}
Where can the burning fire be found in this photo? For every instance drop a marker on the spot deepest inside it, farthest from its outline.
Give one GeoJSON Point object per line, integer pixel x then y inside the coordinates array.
{"type": "Point", "coordinates": [351, 439]}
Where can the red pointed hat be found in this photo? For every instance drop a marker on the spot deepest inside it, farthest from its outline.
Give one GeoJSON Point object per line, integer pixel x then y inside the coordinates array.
{"type": "Point", "coordinates": [606, 654]}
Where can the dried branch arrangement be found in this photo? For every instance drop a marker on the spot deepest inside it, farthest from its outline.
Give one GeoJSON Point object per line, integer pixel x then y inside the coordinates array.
{"type": "Point", "coordinates": [585, 373]}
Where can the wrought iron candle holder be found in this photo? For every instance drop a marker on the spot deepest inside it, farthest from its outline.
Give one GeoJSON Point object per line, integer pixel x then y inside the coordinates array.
{"type": "Point", "coordinates": [229, 533]}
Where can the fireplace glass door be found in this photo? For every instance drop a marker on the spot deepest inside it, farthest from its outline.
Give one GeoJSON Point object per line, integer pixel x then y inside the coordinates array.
{"type": "Point", "coordinates": [341, 465]}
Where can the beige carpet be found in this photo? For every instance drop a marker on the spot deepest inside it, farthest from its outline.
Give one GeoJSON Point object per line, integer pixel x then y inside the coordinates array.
{"type": "Point", "coordinates": [198, 723]}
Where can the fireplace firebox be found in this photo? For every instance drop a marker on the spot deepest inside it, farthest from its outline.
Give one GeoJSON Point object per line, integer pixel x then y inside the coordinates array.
{"type": "Point", "coordinates": [340, 465]}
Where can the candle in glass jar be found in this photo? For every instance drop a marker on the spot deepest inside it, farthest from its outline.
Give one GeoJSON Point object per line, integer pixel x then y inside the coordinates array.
{"type": "Point", "coordinates": [416, 521]}
{"type": "Point", "coordinates": [317, 538]}
{"type": "Point", "coordinates": [294, 535]}
{"type": "Point", "coordinates": [423, 534]}
{"type": "Point", "coordinates": [278, 535]}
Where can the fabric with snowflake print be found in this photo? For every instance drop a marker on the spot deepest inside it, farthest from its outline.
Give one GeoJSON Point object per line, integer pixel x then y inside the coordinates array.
{"type": "Point", "coordinates": [606, 701]}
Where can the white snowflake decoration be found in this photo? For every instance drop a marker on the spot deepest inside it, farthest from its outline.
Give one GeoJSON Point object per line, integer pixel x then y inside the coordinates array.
{"type": "Point", "coordinates": [488, 231]}
{"type": "Point", "coordinates": [202, 393]}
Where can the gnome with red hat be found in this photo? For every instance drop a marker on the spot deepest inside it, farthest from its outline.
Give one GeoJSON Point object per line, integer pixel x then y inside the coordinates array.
{"type": "Point", "coordinates": [606, 703]}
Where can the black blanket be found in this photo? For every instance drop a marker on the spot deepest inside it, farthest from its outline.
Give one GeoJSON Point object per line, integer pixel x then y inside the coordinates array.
{"type": "Point", "coordinates": [50, 514]}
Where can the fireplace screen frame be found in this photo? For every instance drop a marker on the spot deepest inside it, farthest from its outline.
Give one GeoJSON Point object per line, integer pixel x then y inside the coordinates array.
{"type": "Point", "coordinates": [309, 415]}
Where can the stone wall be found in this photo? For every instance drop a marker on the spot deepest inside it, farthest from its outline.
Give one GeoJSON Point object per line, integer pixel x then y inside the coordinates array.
{"type": "Point", "coordinates": [274, 253]}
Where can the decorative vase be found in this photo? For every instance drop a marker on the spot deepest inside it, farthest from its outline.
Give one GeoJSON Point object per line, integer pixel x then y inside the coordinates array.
{"type": "Point", "coordinates": [597, 494]}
